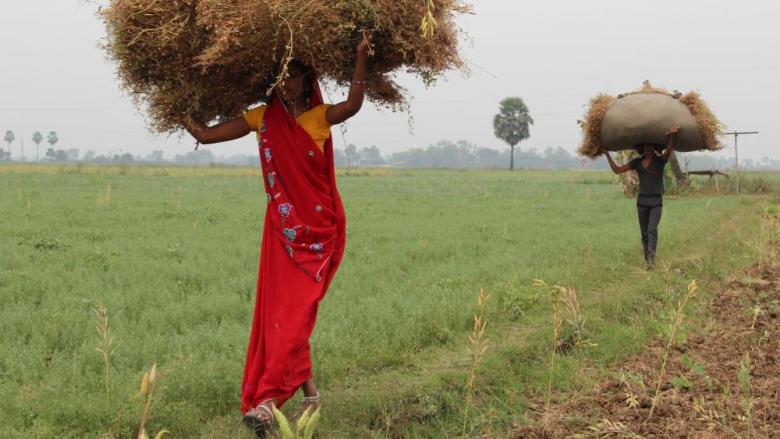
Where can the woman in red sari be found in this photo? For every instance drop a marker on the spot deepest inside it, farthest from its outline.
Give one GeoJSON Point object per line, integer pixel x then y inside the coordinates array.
{"type": "Point", "coordinates": [303, 235]}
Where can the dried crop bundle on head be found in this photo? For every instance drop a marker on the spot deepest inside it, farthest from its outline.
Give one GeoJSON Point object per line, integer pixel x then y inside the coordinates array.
{"type": "Point", "coordinates": [643, 117]}
{"type": "Point", "coordinates": [591, 126]}
{"type": "Point", "coordinates": [211, 59]}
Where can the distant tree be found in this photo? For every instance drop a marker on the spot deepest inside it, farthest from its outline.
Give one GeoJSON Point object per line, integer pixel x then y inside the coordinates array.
{"type": "Point", "coordinates": [558, 158]}
{"type": "Point", "coordinates": [200, 157]}
{"type": "Point", "coordinates": [447, 154]}
{"type": "Point", "coordinates": [512, 124]}
{"type": "Point", "coordinates": [411, 158]}
{"type": "Point", "coordinates": [58, 155]}
{"type": "Point", "coordinates": [89, 156]}
{"type": "Point", "coordinates": [371, 156]}
{"type": "Point", "coordinates": [463, 155]}
{"type": "Point", "coordinates": [157, 156]}
{"type": "Point", "coordinates": [52, 139]}
{"type": "Point", "coordinates": [353, 157]}
{"type": "Point", "coordinates": [489, 158]}
{"type": "Point", "coordinates": [9, 139]}
{"type": "Point", "coordinates": [339, 158]}
{"type": "Point", "coordinates": [531, 158]}
{"type": "Point", "coordinates": [37, 139]}
{"type": "Point", "coordinates": [73, 154]}
{"type": "Point", "coordinates": [102, 159]}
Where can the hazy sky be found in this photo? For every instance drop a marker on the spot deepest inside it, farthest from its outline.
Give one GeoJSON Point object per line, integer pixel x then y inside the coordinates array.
{"type": "Point", "coordinates": [553, 54]}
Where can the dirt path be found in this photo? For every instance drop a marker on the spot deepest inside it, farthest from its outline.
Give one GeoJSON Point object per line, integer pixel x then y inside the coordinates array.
{"type": "Point", "coordinates": [704, 394]}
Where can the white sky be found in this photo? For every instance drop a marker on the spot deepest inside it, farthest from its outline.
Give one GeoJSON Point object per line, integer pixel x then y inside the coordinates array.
{"type": "Point", "coordinates": [553, 54]}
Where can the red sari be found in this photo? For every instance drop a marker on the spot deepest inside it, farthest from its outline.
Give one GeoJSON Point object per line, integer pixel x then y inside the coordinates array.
{"type": "Point", "coordinates": [303, 243]}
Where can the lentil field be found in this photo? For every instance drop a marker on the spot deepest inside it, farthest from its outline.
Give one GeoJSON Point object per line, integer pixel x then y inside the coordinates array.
{"type": "Point", "coordinates": [171, 254]}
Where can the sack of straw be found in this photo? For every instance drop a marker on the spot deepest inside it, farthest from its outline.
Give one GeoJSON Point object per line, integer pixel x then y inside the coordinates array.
{"type": "Point", "coordinates": [211, 59]}
{"type": "Point", "coordinates": [643, 117]}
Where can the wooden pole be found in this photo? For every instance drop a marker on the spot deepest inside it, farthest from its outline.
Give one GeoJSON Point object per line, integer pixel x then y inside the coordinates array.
{"type": "Point", "coordinates": [736, 157]}
{"type": "Point", "coordinates": [736, 135]}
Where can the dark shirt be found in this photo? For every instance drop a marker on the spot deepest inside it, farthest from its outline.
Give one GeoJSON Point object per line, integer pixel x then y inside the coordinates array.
{"type": "Point", "coordinates": [651, 180]}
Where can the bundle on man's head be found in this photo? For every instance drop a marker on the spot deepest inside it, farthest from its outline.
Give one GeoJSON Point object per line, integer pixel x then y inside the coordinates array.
{"type": "Point", "coordinates": [643, 117]}
{"type": "Point", "coordinates": [211, 59]}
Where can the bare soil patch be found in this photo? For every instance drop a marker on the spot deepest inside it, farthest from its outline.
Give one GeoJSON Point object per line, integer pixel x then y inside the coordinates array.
{"type": "Point", "coordinates": [702, 395]}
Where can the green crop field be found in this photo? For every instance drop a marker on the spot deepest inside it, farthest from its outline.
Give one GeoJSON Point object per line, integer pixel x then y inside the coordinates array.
{"type": "Point", "coordinates": [172, 254]}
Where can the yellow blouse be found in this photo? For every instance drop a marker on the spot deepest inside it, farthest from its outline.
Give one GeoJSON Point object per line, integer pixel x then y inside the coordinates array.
{"type": "Point", "coordinates": [312, 121]}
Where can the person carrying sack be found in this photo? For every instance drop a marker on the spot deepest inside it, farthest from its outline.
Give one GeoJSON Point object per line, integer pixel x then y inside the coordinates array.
{"type": "Point", "coordinates": [649, 166]}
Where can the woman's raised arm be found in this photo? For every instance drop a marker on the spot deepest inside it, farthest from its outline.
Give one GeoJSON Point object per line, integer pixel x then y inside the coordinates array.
{"type": "Point", "coordinates": [230, 130]}
{"type": "Point", "coordinates": [342, 111]}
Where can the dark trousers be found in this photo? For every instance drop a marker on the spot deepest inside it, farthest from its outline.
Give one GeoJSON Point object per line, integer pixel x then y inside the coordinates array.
{"type": "Point", "coordinates": [649, 208]}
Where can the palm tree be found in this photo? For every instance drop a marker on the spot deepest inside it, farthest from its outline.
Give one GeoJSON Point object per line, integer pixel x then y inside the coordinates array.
{"type": "Point", "coordinates": [52, 138]}
{"type": "Point", "coordinates": [9, 138]}
{"type": "Point", "coordinates": [512, 124]}
{"type": "Point", "coordinates": [37, 139]}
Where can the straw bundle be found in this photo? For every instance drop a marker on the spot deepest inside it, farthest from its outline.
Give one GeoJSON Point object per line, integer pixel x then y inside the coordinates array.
{"type": "Point", "coordinates": [211, 59]}
{"type": "Point", "coordinates": [643, 116]}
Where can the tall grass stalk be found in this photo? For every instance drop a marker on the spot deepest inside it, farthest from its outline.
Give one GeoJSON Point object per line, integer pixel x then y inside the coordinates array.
{"type": "Point", "coordinates": [104, 197]}
{"type": "Point", "coordinates": [713, 416]}
{"type": "Point", "coordinates": [478, 346]}
{"type": "Point", "coordinates": [568, 298]}
{"type": "Point", "coordinates": [743, 376]}
{"type": "Point", "coordinates": [607, 429]}
{"type": "Point", "coordinates": [757, 311]}
{"type": "Point", "coordinates": [557, 322]}
{"type": "Point", "coordinates": [105, 342]}
{"type": "Point", "coordinates": [770, 232]}
{"type": "Point", "coordinates": [677, 320]}
{"type": "Point", "coordinates": [148, 384]}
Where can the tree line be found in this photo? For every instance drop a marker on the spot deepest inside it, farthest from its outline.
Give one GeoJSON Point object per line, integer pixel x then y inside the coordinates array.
{"type": "Point", "coordinates": [512, 124]}
{"type": "Point", "coordinates": [461, 154]}
{"type": "Point", "coordinates": [37, 138]}
{"type": "Point", "coordinates": [443, 154]}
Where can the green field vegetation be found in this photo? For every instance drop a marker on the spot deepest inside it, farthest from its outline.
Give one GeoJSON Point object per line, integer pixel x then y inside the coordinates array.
{"type": "Point", "coordinates": [172, 255]}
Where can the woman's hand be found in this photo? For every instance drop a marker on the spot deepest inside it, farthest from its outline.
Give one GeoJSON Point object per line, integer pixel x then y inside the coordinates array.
{"type": "Point", "coordinates": [344, 110]}
{"type": "Point", "coordinates": [364, 47]}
